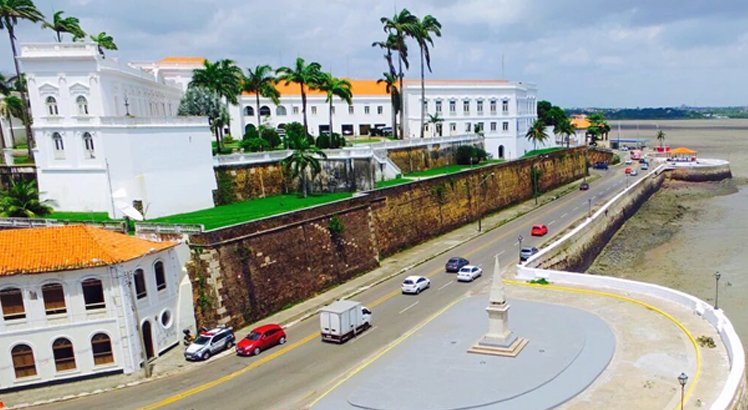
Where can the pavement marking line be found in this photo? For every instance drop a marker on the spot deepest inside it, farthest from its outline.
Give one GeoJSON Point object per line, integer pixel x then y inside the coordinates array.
{"type": "Point", "coordinates": [407, 308]}
{"type": "Point", "coordinates": [575, 208]}
{"type": "Point", "coordinates": [645, 305]}
{"type": "Point", "coordinates": [201, 388]}
{"type": "Point", "coordinates": [551, 222]}
{"type": "Point", "coordinates": [445, 285]}
{"type": "Point", "coordinates": [501, 253]}
{"type": "Point", "coordinates": [564, 215]}
{"type": "Point", "coordinates": [389, 347]}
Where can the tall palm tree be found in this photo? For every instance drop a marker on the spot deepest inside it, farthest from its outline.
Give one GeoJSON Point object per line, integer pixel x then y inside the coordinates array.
{"type": "Point", "coordinates": [21, 200]}
{"type": "Point", "coordinates": [104, 41]}
{"type": "Point", "coordinates": [304, 155]}
{"type": "Point", "coordinates": [390, 81]}
{"type": "Point", "coordinates": [598, 125]}
{"type": "Point", "coordinates": [566, 128]}
{"type": "Point", "coordinates": [424, 28]}
{"type": "Point", "coordinates": [389, 45]}
{"type": "Point", "coordinates": [434, 119]}
{"type": "Point", "coordinates": [335, 87]}
{"type": "Point", "coordinates": [61, 25]}
{"type": "Point", "coordinates": [305, 75]}
{"type": "Point", "coordinates": [537, 133]}
{"type": "Point", "coordinates": [661, 137]}
{"type": "Point", "coordinates": [10, 12]}
{"type": "Point", "coordinates": [261, 82]}
{"type": "Point", "coordinates": [401, 26]}
{"type": "Point", "coordinates": [224, 77]}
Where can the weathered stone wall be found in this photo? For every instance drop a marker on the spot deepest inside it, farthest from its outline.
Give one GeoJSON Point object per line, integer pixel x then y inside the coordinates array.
{"type": "Point", "coordinates": [254, 269]}
{"type": "Point", "coordinates": [254, 181]}
{"type": "Point", "coordinates": [701, 173]}
{"type": "Point", "coordinates": [424, 157]}
{"type": "Point", "coordinates": [599, 154]}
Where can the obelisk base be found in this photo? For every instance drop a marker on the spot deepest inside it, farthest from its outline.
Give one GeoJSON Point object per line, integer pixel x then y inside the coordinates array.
{"type": "Point", "coordinates": [511, 350]}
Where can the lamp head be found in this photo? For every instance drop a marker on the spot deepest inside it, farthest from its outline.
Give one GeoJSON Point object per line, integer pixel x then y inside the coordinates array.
{"type": "Point", "coordinates": [717, 275]}
{"type": "Point", "coordinates": [682, 379]}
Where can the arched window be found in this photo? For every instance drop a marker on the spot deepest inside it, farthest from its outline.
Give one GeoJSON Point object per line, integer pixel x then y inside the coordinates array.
{"type": "Point", "coordinates": [501, 151]}
{"type": "Point", "coordinates": [93, 294]}
{"type": "Point", "coordinates": [52, 106]}
{"type": "Point", "coordinates": [54, 298]}
{"type": "Point", "coordinates": [139, 279]}
{"type": "Point", "coordinates": [82, 105]}
{"type": "Point", "coordinates": [280, 110]}
{"type": "Point", "coordinates": [88, 144]}
{"type": "Point", "coordinates": [158, 268]}
{"type": "Point", "coordinates": [57, 139]}
{"type": "Point", "coordinates": [101, 346]}
{"type": "Point", "coordinates": [264, 111]}
{"type": "Point", "coordinates": [249, 127]}
{"type": "Point", "coordinates": [11, 300]}
{"type": "Point", "coordinates": [64, 354]}
{"type": "Point", "coordinates": [249, 111]}
{"type": "Point", "coordinates": [23, 361]}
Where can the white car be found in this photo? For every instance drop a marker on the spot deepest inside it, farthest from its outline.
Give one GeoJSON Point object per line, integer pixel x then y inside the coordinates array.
{"type": "Point", "coordinates": [628, 162]}
{"type": "Point", "coordinates": [415, 284]}
{"type": "Point", "coordinates": [469, 273]}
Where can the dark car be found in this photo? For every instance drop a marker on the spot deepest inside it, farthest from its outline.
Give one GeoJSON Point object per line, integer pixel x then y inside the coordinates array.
{"type": "Point", "coordinates": [643, 161]}
{"type": "Point", "coordinates": [455, 263]}
{"type": "Point", "coordinates": [584, 186]}
{"type": "Point", "coordinates": [526, 252]}
{"type": "Point", "coordinates": [600, 165]}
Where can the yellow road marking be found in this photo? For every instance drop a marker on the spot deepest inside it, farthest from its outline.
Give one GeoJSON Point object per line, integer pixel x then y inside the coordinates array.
{"type": "Point", "coordinates": [646, 305]}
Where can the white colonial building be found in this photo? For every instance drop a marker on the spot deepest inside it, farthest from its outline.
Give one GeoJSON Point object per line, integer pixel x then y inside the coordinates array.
{"type": "Point", "coordinates": [108, 138]}
{"type": "Point", "coordinates": [74, 298]}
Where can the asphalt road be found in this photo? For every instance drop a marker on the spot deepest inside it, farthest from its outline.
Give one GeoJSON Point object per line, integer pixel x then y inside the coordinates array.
{"type": "Point", "coordinates": [293, 375]}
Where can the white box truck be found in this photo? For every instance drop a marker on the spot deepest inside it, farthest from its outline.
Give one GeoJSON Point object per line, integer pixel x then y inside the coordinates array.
{"type": "Point", "coordinates": [343, 320]}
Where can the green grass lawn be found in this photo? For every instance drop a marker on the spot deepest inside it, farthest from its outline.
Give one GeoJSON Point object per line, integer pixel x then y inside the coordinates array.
{"type": "Point", "coordinates": [246, 211]}
{"type": "Point", "coordinates": [80, 216]}
{"type": "Point", "coordinates": [450, 169]}
{"type": "Point", "coordinates": [22, 159]}
{"type": "Point", "coordinates": [393, 182]}
{"type": "Point", "coordinates": [536, 152]}
{"type": "Point", "coordinates": [365, 141]}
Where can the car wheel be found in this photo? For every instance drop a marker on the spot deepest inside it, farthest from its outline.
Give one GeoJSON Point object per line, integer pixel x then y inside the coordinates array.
{"type": "Point", "coordinates": [418, 291]}
{"type": "Point", "coordinates": [282, 340]}
{"type": "Point", "coordinates": [206, 355]}
{"type": "Point", "coordinates": [256, 351]}
{"type": "Point", "coordinates": [229, 344]}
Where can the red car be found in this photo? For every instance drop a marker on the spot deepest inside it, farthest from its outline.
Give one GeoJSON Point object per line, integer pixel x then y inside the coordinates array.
{"type": "Point", "coordinates": [538, 230]}
{"type": "Point", "coordinates": [263, 337]}
{"type": "Point", "coordinates": [628, 171]}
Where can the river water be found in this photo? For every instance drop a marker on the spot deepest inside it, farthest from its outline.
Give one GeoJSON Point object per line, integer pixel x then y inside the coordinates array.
{"type": "Point", "coordinates": [688, 231]}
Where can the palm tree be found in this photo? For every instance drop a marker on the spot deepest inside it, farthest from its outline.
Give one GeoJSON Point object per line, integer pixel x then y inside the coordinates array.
{"type": "Point", "coordinates": [261, 82]}
{"type": "Point", "coordinates": [104, 41]}
{"type": "Point", "coordinates": [424, 28]}
{"type": "Point", "coordinates": [305, 75]}
{"type": "Point", "coordinates": [10, 12]}
{"type": "Point", "coordinates": [225, 78]}
{"type": "Point", "coordinates": [304, 155]}
{"type": "Point", "coordinates": [661, 137]}
{"type": "Point", "coordinates": [390, 81]}
{"type": "Point", "coordinates": [388, 46]}
{"type": "Point", "coordinates": [601, 127]}
{"type": "Point", "coordinates": [335, 87]}
{"type": "Point", "coordinates": [565, 128]}
{"type": "Point", "coordinates": [537, 133]}
{"type": "Point", "coordinates": [401, 26]}
{"type": "Point", "coordinates": [21, 200]}
{"type": "Point", "coordinates": [10, 106]}
{"type": "Point", "coordinates": [65, 25]}
{"type": "Point", "coordinates": [434, 119]}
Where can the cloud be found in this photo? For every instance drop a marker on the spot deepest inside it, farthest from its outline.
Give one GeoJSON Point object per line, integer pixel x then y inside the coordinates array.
{"type": "Point", "coordinates": [579, 53]}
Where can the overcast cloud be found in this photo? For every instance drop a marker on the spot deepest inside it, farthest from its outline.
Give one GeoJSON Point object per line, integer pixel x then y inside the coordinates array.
{"type": "Point", "coordinates": [582, 53]}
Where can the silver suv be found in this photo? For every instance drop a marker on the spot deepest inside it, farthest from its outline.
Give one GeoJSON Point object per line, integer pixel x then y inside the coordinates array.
{"type": "Point", "coordinates": [210, 342]}
{"type": "Point", "coordinates": [527, 252]}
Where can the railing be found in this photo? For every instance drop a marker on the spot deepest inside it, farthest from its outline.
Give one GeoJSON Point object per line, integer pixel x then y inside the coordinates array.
{"type": "Point", "coordinates": [163, 121]}
{"type": "Point", "coordinates": [41, 223]}
{"type": "Point", "coordinates": [182, 229]}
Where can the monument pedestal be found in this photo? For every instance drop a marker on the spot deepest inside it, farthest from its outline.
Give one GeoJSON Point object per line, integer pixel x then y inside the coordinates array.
{"type": "Point", "coordinates": [499, 341]}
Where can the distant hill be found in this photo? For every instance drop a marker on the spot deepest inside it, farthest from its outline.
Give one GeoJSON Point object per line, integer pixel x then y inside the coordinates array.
{"type": "Point", "coordinates": [665, 113]}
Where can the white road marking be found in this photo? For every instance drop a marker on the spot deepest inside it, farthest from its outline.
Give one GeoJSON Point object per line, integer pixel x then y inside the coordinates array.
{"type": "Point", "coordinates": [445, 285]}
{"type": "Point", "coordinates": [500, 253]}
{"type": "Point", "coordinates": [551, 222]}
{"type": "Point", "coordinates": [401, 312]}
{"type": "Point", "coordinates": [564, 215]}
{"type": "Point", "coordinates": [575, 208]}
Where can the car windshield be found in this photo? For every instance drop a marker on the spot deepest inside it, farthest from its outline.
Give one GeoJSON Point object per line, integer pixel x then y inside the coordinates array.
{"type": "Point", "coordinates": [454, 260]}
{"type": "Point", "coordinates": [201, 340]}
{"type": "Point", "coordinates": [253, 336]}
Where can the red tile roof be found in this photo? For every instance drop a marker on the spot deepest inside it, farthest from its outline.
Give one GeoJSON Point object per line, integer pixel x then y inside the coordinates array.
{"type": "Point", "coordinates": [39, 250]}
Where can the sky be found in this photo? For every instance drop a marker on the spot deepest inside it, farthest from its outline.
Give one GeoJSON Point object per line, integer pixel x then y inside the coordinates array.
{"type": "Point", "coordinates": [581, 53]}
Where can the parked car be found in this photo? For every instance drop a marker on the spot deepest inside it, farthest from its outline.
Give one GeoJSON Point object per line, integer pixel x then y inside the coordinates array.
{"type": "Point", "coordinates": [628, 171]}
{"type": "Point", "coordinates": [584, 186]}
{"type": "Point", "coordinates": [261, 338]}
{"type": "Point", "coordinates": [600, 165]}
{"type": "Point", "coordinates": [628, 162]}
{"type": "Point", "coordinates": [415, 284]}
{"type": "Point", "coordinates": [210, 342]}
{"type": "Point", "coordinates": [642, 160]}
{"type": "Point", "coordinates": [526, 252]}
{"type": "Point", "coordinates": [538, 230]}
{"type": "Point", "coordinates": [455, 263]}
{"type": "Point", "coordinates": [644, 167]}
{"type": "Point", "coordinates": [633, 173]}
{"type": "Point", "coordinates": [469, 273]}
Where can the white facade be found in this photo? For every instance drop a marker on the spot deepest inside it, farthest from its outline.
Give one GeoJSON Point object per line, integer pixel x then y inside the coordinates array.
{"type": "Point", "coordinates": [84, 326]}
{"type": "Point", "coordinates": [108, 138]}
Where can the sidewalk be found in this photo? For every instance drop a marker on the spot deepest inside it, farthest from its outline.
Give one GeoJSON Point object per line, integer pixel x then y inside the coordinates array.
{"type": "Point", "coordinates": [173, 361]}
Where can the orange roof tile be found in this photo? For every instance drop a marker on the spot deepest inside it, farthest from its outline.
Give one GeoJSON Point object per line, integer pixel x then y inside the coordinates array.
{"type": "Point", "coordinates": [358, 87]}
{"type": "Point", "coordinates": [198, 60]}
{"type": "Point", "coordinates": [38, 250]}
{"type": "Point", "coordinates": [580, 123]}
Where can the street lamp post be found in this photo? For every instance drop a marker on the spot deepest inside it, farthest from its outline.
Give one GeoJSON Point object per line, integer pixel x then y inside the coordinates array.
{"type": "Point", "coordinates": [682, 379]}
{"type": "Point", "coordinates": [717, 275]}
{"type": "Point", "coordinates": [589, 207]}
{"type": "Point", "coordinates": [519, 239]}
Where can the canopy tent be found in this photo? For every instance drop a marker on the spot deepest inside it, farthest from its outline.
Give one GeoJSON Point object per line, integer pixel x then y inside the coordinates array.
{"type": "Point", "coordinates": [682, 154]}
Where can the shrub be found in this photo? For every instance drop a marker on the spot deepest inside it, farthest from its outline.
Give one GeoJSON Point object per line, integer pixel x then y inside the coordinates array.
{"type": "Point", "coordinates": [251, 133]}
{"type": "Point", "coordinates": [228, 139]}
{"type": "Point", "coordinates": [615, 160]}
{"type": "Point", "coordinates": [323, 141]}
{"type": "Point", "coordinates": [254, 145]}
{"type": "Point", "coordinates": [335, 226]}
{"type": "Point", "coordinates": [271, 136]}
{"type": "Point", "coordinates": [224, 193]}
{"type": "Point", "coordinates": [469, 155]}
